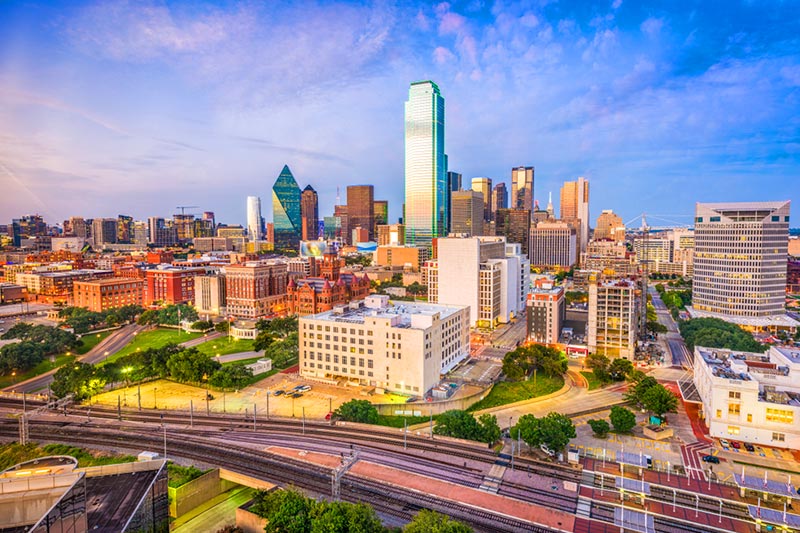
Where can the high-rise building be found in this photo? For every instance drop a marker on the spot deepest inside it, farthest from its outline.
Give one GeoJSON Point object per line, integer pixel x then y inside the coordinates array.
{"type": "Point", "coordinates": [522, 188]}
{"type": "Point", "coordinates": [104, 231]}
{"type": "Point", "coordinates": [546, 312]}
{"type": "Point", "coordinates": [361, 208]}
{"type": "Point", "coordinates": [609, 226]}
{"type": "Point", "coordinates": [309, 214]}
{"type": "Point", "coordinates": [124, 229]}
{"type": "Point", "coordinates": [184, 226]}
{"type": "Point", "coordinates": [515, 226]}
{"type": "Point", "coordinates": [27, 226]}
{"type": "Point", "coordinates": [161, 232]}
{"type": "Point", "coordinates": [740, 261]}
{"type": "Point", "coordinates": [208, 216]}
{"type": "Point", "coordinates": [140, 233]}
{"type": "Point", "coordinates": [613, 312]}
{"type": "Point", "coordinates": [286, 211]}
{"type": "Point", "coordinates": [453, 181]}
{"type": "Point", "coordinates": [484, 186]}
{"type": "Point", "coordinates": [499, 198]}
{"type": "Point", "coordinates": [256, 289]}
{"type": "Point", "coordinates": [575, 209]}
{"type": "Point", "coordinates": [76, 227]}
{"type": "Point", "coordinates": [553, 245]}
{"type": "Point", "coordinates": [340, 212]}
{"type": "Point", "coordinates": [381, 209]}
{"type": "Point", "coordinates": [426, 214]}
{"type": "Point", "coordinates": [391, 235]}
{"type": "Point", "coordinates": [254, 218]}
{"type": "Point", "coordinates": [486, 274]}
{"type": "Point", "coordinates": [466, 213]}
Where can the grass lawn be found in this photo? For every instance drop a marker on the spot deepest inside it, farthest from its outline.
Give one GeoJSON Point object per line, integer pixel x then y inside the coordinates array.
{"type": "Point", "coordinates": [41, 368]}
{"type": "Point", "coordinates": [594, 383]}
{"type": "Point", "coordinates": [90, 340]}
{"type": "Point", "coordinates": [396, 421]}
{"type": "Point", "coordinates": [225, 346]}
{"type": "Point", "coordinates": [180, 475]}
{"type": "Point", "coordinates": [505, 392]}
{"type": "Point", "coordinates": [11, 454]}
{"type": "Point", "coordinates": [156, 338]}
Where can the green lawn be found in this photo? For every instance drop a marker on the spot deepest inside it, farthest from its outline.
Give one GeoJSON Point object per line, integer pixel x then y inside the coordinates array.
{"type": "Point", "coordinates": [225, 346]}
{"type": "Point", "coordinates": [11, 454]}
{"type": "Point", "coordinates": [156, 338]}
{"type": "Point", "coordinates": [505, 392]}
{"type": "Point", "coordinates": [90, 340]}
{"type": "Point", "coordinates": [396, 421]}
{"type": "Point", "coordinates": [41, 368]}
{"type": "Point", "coordinates": [594, 383]}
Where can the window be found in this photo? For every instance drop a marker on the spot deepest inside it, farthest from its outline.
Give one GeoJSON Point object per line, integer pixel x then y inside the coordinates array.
{"type": "Point", "coordinates": [719, 413]}
{"type": "Point", "coordinates": [749, 417]}
{"type": "Point", "coordinates": [735, 395]}
{"type": "Point", "coordinates": [733, 409]}
{"type": "Point", "coordinates": [779, 437]}
{"type": "Point", "coordinates": [781, 416]}
{"type": "Point", "coordinates": [733, 430]}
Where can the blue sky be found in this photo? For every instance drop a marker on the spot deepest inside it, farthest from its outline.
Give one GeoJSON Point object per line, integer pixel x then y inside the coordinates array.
{"type": "Point", "coordinates": [137, 107]}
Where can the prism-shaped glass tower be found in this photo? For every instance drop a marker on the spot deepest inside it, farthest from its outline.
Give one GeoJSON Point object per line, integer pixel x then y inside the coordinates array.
{"type": "Point", "coordinates": [286, 211]}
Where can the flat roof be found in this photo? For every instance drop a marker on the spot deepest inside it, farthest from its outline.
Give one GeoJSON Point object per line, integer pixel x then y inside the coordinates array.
{"type": "Point", "coordinates": [111, 500]}
{"type": "Point", "coordinates": [396, 309]}
{"type": "Point", "coordinates": [744, 206]}
{"type": "Point", "coordinates": [753, 321]}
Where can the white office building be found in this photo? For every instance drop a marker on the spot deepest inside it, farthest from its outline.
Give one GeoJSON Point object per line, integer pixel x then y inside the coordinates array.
{"type": "Point", "coordinates": [751, 397]}
{"type": "Point", "coordinates": [254, 218]}
{"type": "Point", "coordinates": [402, 347]}
{"type": "Point", "coordinates": [486, 274]}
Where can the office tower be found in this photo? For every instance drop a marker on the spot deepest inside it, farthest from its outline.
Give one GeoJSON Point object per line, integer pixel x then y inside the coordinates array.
{"type": "Point", "coordinates": [209, 217]}
{"type": "Point", "coordinates": [140, 233]}
{"type": "Point", "coordinates": [124, 229]}
{"type": "Point", "coordinates": [547, 309]}
{"type": "Point", "coordinates": [575, 209]}
{"type": "Point", "coordinates": [27, 226]}
{"type": "Point", "coordinates": [391, 235]}
{"type": "Point", "coordinates": [551, 211]}
{"type": "Point", "coordinates": [361, 209]}
{"type": "Point", "coordinates": [254, 218]}
{"type": "Point", "coordinates": [162, 232]}
{"type": "Point", "coordinates": [202, 228]}
{"type": "Point", "coordinates": [553, 245]}
{"type": "Point", "coordinates": [485, 273]}
{"type": "Point", "coordinates": [414, 369]}
{"type": "Point", "coordinates": [484, 186]}
{"type": "Point", "coordinates": [76, 227]}
{"type": "Point", "coordinates": [609, 226]}
{"type": "Point", "coordinates": [104, 231]}
{"type": "Point", "coordinates": [522, 188]}
{"type": "Point", "coordinates": [613, 312]}
{"type": "Point", "coordinates": [309, 213]}
{"type": "Point", "coordinates": [499, 198]}
{"type": "Point", "coordinates": [453, 183]}
{"type": "Point", "coordinates": [740, 261]}
{"type": "Point", "coordinates": [286, 211]}
{"type": "Point", "coordinates": [515, 226]}
{"type": "Point", "coordinates": [340, 212]}
{"type": "Point", "coordinates": [426, 214]}
{"type": "Point", "coordinates": [381, 209]}
{"type": "Point", "coordinates": [332, 228]}
{"type": "Point", "coordinates": [466, 213]}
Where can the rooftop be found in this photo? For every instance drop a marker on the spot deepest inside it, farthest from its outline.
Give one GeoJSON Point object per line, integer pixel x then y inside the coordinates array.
{"type": "Point", "coordinates": [402, 313]}
{"type": "Point", "coordinates": [783, 321]}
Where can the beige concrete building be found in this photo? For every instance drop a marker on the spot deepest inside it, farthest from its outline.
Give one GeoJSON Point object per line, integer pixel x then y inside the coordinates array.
{"type": "Point", "coordinates": [613, 314]}
{"type": "Point", "coordinates": [401, 347]}
{"type": "Point", "coordinates": [209, 294]}
{"type": "Point", "coordinates": [391, 235]}
{"type": "Point", "coordinates": [794, 247]}
{"type": "Point", "coordinates": [609, 226]}
{"type": "Point", "coordinates": [575, 209]}
{"type": "Point", "coordinates": [553, 244]}
{"type": "Point", "coordinates": [406, 257]}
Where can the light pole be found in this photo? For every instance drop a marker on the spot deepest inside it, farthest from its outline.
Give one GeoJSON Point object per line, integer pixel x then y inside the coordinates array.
{"type": "Point", "coordinates": [155, 400]}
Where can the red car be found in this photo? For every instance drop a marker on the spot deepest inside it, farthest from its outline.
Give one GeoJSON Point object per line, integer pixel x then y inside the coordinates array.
{"type": "Point", "coordinates": [736, 444]}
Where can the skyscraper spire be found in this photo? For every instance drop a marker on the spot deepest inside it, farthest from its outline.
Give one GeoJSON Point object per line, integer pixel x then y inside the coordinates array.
{"type": "Point", "coordinates": [550, 209]}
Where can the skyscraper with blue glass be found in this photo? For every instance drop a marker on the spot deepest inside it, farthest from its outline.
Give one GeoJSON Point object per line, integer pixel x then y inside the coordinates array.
{"type": "Point", "coordinates": [286, 211]}
{"type": "Point", "coordinates": [426, 209]}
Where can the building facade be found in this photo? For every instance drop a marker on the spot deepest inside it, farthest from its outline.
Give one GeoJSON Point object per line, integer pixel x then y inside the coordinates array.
{"type": "Point", "coordinates": [255, 228]}
{"type": "Point", "coordinates": [575, 209]}
{"type": "Point", "coordinates": [484, 187]}
{"type": "Point", "coordinates": [426, 210]}
{"type": "Point", "coordinates": [546, 312]}
{"type": "Point", "coordinates": [751, 397]}
{"type": "Point", "coordinates": [210, 294]}
{"type": "Point", "coordinates": [391, 235]}
{"type": "Point", "coordinates": [309, 296]}
{"type": "Point", "coordinates": [466, 213]}
{"type": "Point", "coordinates": [256, 289]}
{"type": "Point", "coordinates": [401, 347]}
{"type": "Point", "coordinates": [553, 245]}
{"type": "Point", "coordinates": [406, 257]}
{"type": "Point", "coordinates": [613, 318]}
{"type": "Point", "coordinates": [522, 188]}
{"type": "Point", "coordinates": [286, 211]}
{"type": "Point", "coordinates": [170, 285]}
{"type": "Point", "coordinates": [361, 208]}
{"type": "Point", "coordinates": [104, 294]}
{"type": "Point", "coordinates": [309, 214]}
{"type": "Point", "coordinates": [515, 226]}
{"type": "Point", "coordinates": [609, 226]}
{"type": "Point", "coordinates": [740, 259]}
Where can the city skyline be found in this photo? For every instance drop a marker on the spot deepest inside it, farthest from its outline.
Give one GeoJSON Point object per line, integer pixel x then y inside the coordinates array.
{"type": "Point", "coordinates": [97, 120]}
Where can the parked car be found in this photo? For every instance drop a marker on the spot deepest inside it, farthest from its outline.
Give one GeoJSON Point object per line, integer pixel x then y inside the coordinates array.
{"type": "Point", "coordinates": [711, 459]}
{"type": "Point", "coordinates": [297, 395]}
{"type": "Point", "coordinates": [736, 444]}
{"type": "Point", "coordinates": [279, 392]}
{"type": "Point", "coordinates": [724, 443]}
{"type": "Point", "coordinates": [303, 388]}
{"type": "Point", "coordinates": [547, 450]}
{"type": "Point", "coordinates": [760, 451]}
{"type": "Point", "coordinates": [749, 447]}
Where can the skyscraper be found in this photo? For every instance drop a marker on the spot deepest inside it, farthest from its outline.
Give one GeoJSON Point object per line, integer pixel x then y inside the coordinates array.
{"type": "Point", "coordinates": [575, 208]}
{"type": "Point", "coordinates": [499, 198]}
{"type": "Point", "coordinates": [515, 226]}
{"type": "Point", "coordinates": [381, 208]}
{"type": "Point", "coordinates": [309, 213]}
{"type": "Point", "coordinates": [740, 259]}
{"type": "Point", "coordinates": [286, 211]}
{"type": "Point", "coordinates": [361, 208]}
{"type": "Point", "coordinates": [426, 211]}
{"type": "Point", "coordinates": [484, 186]}
{"type": "Point", "coordinates": [124, 229]}
{"type": "Point", "coordinates": [254, 218]}
{"type": "Point", "coordinates": [466, 213]}
{"type": "Point", "coordinates": [522, 188]}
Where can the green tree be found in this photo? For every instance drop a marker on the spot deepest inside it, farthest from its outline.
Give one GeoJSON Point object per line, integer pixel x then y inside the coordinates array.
{"type": "Point", "coordinates": [660, 400]}
{"type": "Point", "coordinates": [202, 325]}
{"type": "Point", "coordinates": [716, 333]}
{"type": "Point", "coordinates": [599, 427]}
{"type": "Point", "coordinates": [521, 362]}
{"type": "Point", "coordinates": [234, 376]}
{"type": "Point", "coordinates": [341, 517]}
{"type": "Point", "coordinates": [489, 428]}
{"type": "Point", "coordinates": [357, 411]}
{"type": "Point", "coordinates": [432, 522]}
{"type": "Point", "coordinates": [82, 380]}
{"type": "Point", "coordinates": [263, 340]}
{"type": "Point", "coordinates": [654, 326]}
{"type": "Point", "coordinates": [417, 288]}
{"type": "Point", "coordinates": [599, 364]}
{"type": "Point", "coordinates": [222, 327]}
{"type": "Point", "coordinates": [639, 387]}
{"type": "Point", "coordinates": [458, 424]}
{"type": "Point", "coordinates": [190, 365]}
{"type": "Point", "coordinates": [286, 511]}
{"type": "Point", "coordinates": [622, 419]}
{"type": "Point", "coordinates": [556, 430]}
{"type": "Point", "coordinates": [619, 369]}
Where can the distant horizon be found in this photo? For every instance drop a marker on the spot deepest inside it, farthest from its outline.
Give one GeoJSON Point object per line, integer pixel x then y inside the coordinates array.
{"type": "Point", "coordinates": [113, 108]}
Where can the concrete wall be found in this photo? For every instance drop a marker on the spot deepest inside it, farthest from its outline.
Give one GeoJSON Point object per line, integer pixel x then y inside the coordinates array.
{"type": "Point", "coordinates": [198, 491]}
{"type": "Point", "coordinates": [424, 408]}
{"type": "Point", "coordinates": [250, 522]}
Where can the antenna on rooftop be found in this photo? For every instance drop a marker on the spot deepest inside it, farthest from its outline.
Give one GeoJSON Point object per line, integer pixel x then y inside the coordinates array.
{"type": "Point", "coordinates": [338, 197]}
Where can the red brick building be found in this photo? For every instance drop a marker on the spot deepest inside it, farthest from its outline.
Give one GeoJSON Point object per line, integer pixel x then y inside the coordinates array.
{"type": "Point", "coordinates": [170, 285]}
{"type": "Point", "coordinates": [256, 289]}
{"type": "Point", "coordinates": [103, 294]}
{"type": "Point", "coordinates": [308, 296]}
{"type": "Point", "coordinates": [160, 257]}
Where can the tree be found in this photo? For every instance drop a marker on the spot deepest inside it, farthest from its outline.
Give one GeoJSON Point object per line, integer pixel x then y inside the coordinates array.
{"type": "Point", "coordinates": [202, 325]}
{"type": "Point", "coordinates": [656, 327]}
{"type": "Point", "coordinates": [286, 511]}
{"type": "Point", "coordinates": [417, 288]}
{"type": "Point", "coordinates": [599, 364]}
{"type": "Point", "coordinates": [599, 427]}
{"type": "Point", "coordinates": [458, 424]}
{"type": "Point", "coordinates": [222, 327]}
{"type": "Point", "coordinates": [716, 333]}
{"type": "Point", "coordinates": [234, 376]}
{"type": "Point", "coordinates": [190, 365]}
{"type": "Point", "coordinates": [357, 411]}
{"type": "Point", "coordinates": [490, 428]}
{"type": "Point", "coordinates": [263, 340]}
{"type": "Point", "coordinates": [82, 380]}
{"type": "Point", "coordinates": [521, 362]}
{"type": "Point", "coordinates": [432, 522]}
{"type": "Point", "coordinates": [639, 387]}
{"type": "Point", "coordinates": [660, 400]}
{"type": "Point", "coordinates": [341, 517]}
{"type": "Point", "coordinates": [619, 369]}
{"type": "Point", "coordinates": [556, 430]}
{"type": "Point", "coordinates": [527, 429]}
{"type": "Point", "coordinates": [622, 419]}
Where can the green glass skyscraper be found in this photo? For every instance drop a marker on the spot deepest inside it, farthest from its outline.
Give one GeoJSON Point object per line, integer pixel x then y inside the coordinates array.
{"type": "Point", "coordinates": [286, 211]}
{"type": "Point", "coordinates": [426, 209]}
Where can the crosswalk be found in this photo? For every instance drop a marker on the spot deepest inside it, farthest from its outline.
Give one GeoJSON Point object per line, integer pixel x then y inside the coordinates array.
{"type": "Point", "coordinates": [690, 454]}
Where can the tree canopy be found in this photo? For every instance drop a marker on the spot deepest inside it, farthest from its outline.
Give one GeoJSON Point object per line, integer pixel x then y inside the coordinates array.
{"type": "Point", "coordinates": [168, 315]}
{"type": "Point", "coordinates": [716, 333]}
{"type": "Point", "coordinates": [463, 425]}
{"type": "Point", "coordinates": [622, 419]}
{"type": "Point", "coordinates": [553, 430]}
{"type": "Point", "coordinates": [357, 411]}
{"type": "Point", "coordinates": [520, 363]}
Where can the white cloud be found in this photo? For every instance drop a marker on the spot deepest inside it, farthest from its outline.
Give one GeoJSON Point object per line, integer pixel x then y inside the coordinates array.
{"type": "Point", "coordinates": [652, 26]}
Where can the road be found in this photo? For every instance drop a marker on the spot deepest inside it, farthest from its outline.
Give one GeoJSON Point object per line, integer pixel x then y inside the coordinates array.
{"type": "Point", "coordinates": [218, 514]}
{"type": "Point", "coordinates": [108, 346]}
{"type": "Point", "coordinates": [681, 357]}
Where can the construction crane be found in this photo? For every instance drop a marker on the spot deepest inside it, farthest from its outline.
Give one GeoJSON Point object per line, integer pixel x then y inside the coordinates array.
{"type": "Point", "coordinates": [183, 208]}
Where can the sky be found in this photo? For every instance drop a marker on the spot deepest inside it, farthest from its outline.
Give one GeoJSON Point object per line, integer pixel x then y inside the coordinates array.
{"type": "Point", "coordinates": [137, 107]}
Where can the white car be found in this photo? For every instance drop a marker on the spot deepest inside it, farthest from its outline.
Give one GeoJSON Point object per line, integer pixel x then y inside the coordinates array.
{"type": "Point", "coordinates": [725, 444]}
{"type": "Point", "coordinates": [547, 450]}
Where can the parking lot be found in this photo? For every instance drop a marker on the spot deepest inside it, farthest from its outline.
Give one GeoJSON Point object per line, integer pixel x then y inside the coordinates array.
{"type": "Point", "coordinates": [477, 371]}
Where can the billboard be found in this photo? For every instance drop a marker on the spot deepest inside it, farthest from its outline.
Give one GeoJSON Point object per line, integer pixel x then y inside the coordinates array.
{"type": "Point", "coordinates": [313, 248]}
